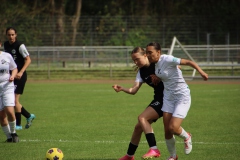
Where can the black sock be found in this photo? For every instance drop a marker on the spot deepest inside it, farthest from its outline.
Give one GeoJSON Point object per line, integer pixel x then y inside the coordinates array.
{"type": "Point", "coordinates": [131, 149]}
{"type": "Point", "coordinates": [25, 113]}
{"type": "Point", "coordinates": [151, 139]}
{"type": "Point", "coordinates": [18, 118]}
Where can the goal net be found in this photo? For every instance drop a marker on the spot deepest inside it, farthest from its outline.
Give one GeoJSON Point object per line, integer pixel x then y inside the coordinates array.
{"type": "Point", "coordinates": [180, 51]}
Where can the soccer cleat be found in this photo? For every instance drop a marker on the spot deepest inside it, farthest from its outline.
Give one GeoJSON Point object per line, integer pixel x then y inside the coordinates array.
{"type": "Point", "coordinates": [18, 127]}
{"type": "Point", "coordinates": [172, 158]}
{"type": "Point", "coordinates": [9, 140]}
{"type": "Point", "coordinates": [15, 138]}
{"type": "Point", "coordinates": [29, 121]}
{"type": "Point", "coordinates": [151, 154]}
{"type": "Point", "coordinates": [188, 144]}
{"type": "Point", "coordinates": [126, 157]}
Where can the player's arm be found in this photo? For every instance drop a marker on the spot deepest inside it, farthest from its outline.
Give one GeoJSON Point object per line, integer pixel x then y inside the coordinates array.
{"type": "Point", "coordinates": [195, 66]}
{"type": "Point", "coordinates": [133, 90]}
{"type": "Point", "coordinates": [14, 73]}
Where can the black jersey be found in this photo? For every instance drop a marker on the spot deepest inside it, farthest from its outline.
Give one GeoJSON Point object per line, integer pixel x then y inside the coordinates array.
{"type": "Point", "coordinates": [145, 73]}
{"type": "Point", "coordinates": [13, 49]}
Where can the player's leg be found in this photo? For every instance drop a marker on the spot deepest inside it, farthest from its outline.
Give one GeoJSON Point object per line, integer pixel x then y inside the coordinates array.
{"type": "Point", "coordinates": [135, 139]}
{"type": "Point", "coordinates": [169, 137]}
{"type": "Point", "coordinates": [9, 110]}
{"type": "Point", "coordinates": [5, 126]}
{"type": "Point", "coordinates": [20, 110]}
{"type": "Point", "coordinates": [179, 114]}
{"type": "Point", "coordinates": [145, 119]}
{"type": "Point", "coordinates": [8, 101]}
{"type": "Point", "coordinates": [18, 107]}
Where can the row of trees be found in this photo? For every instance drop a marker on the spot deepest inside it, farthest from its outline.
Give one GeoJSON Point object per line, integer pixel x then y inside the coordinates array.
{"type": "Point", "coordinates": [120, 22]}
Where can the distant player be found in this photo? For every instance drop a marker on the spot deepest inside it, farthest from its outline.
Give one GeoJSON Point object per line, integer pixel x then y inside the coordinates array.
{"type": "Point", "coordinates": [7, 102]}
{"type": "Point", "coordinates": [22, 59]}
{"type": "Point", "coordinates": [177, 98]}
{"type": "Point", "coordinates": [152, 112]}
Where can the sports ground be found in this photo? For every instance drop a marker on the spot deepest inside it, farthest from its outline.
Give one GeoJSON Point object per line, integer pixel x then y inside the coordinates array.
{"type": "Point", "coordinates": [88, 120]}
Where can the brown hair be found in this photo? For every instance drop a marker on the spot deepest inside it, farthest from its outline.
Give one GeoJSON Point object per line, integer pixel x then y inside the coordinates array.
{"type": "Point", "coordinates": [137, 50]}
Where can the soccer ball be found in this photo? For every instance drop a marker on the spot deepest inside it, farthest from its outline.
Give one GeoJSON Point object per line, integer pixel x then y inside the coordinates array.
{"type": "Point", "coordinates": [54, 154]}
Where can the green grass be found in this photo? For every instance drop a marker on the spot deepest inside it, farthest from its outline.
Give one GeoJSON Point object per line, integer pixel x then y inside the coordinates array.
{"type": "Point", "coordinates": [91, 121]}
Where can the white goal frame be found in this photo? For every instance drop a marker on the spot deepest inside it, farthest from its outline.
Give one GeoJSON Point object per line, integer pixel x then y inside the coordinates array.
{"type": "Point", "coordinates": [170, 52]}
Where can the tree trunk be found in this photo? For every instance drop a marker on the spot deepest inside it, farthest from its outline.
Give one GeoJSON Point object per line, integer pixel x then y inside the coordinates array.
{"type": "Point", "coordinates": [75, 21]}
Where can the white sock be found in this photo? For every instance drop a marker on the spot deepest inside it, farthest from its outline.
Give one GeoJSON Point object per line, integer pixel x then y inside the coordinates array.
{"type": "Point", "coordinates": [6, 131]}
{"type": "Point", "coordinates": [12, 126]}
{"type": "Point", "coordinates": [171, 146]}
{"type": "Point", "coordinates": [184, 135]}
{"type": "Point", "coordinates": [154, 147]}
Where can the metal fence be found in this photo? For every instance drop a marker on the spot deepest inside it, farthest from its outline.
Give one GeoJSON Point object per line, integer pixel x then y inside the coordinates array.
{"type": "Point", "coordinates": [222, 59]}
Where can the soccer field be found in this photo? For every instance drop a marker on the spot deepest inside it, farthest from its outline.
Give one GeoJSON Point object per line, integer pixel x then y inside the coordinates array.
{"type": "Point", "coordinates": [91, 121]}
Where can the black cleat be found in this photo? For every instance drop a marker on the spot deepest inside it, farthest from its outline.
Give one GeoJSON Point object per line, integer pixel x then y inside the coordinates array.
{"type": "Point", "coordinates": [9, 140]}
{"type": "Point", "coordinates": [14, 138]}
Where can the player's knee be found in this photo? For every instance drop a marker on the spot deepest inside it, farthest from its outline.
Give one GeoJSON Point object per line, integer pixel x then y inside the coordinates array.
{"type": "Point", "coordinates": [138, 128]}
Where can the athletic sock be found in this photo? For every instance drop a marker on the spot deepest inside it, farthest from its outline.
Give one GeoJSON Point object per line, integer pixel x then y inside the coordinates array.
{"type": "Point", "coordinates": [131, 149]}
{"type": "Point", "coordinates": [6, 131]}
{"type": "Point", "coordinates": [184, 135]}
{"type": "Point", "coordinates": [18, 118]}
{"type": "Point", "coordinates": [25, 113]}
{"type": "Point", "coordinates": [12, 126]}
{"type": "Point", "coordinates": [151, 140]}
{"type": "Point", "coordinates": [171, 146]}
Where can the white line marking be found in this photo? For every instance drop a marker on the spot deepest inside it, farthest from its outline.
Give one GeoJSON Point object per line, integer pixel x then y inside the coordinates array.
{"type": "Point", "coordinates": [108, 142]}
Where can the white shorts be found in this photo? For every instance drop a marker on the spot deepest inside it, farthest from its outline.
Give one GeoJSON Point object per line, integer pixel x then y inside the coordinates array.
{"type": "Point", "coordinates": [177, 103]}
{"type": "Point", "coordinates": [7, 96]}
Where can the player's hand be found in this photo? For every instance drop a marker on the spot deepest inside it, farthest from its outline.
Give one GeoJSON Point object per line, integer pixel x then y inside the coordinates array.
{"type": "Point", "coordinates": [155, 79]}
{"type": "Point", "coordinates": [117, 88]}
{"type": "Point", "coordinates": [19, 75]}
{"type": "Point", "coordinates": [11, 79]}
{"type": "Point", "coordinates": [205, 76]}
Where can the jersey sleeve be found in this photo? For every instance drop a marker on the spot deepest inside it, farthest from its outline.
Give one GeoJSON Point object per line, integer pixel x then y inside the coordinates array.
{"type": "Point", "coordinates": [138, 77]}
{"type": "Point", "coordinates": [23, 51]}
{"type": "Point", "coordinates": [173, 60]}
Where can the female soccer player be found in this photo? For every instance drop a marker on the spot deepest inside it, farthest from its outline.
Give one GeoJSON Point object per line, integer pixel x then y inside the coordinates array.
{"type": "Point", "coordinates": [22, 59]}
{"type": "Point", "coordinates": [7, 116]}
{"type": "Point", "coordinates": [152, 112]}
{"type": "Point", "coordinates": [177, 98]}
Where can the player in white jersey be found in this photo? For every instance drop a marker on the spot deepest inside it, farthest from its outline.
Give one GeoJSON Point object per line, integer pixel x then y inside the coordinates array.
{"type": "Point", "coordinates": [7, 98]}
{"type": "Point", "coordinates": [177, 98]}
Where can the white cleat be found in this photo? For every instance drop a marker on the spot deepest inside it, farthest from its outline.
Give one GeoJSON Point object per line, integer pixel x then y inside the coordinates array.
{"type": "Point", "coordinates": [188, 144]}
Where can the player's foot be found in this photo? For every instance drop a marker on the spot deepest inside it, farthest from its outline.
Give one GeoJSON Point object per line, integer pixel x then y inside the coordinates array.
{"type": "Point", "coordinates": [126, 157]}
{"type": "Point", "coordinates": [9, 140]}
{"type": "Point", "coordinates": [18, 127]}
{"type": "Point", "coordinates": [188, 144]}
{"type": "Point", "coordinates": [29, 121]}
{"type": "Point", "coordinates": [172, 158]}
{"type": "Point", "coordinates": [15, 138]}
{"type": "Point", "coordinates": [151, 154]}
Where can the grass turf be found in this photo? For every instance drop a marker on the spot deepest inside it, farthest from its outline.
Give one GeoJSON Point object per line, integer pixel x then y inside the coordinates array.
{"type": "Point", "coordinates": [91, 121]}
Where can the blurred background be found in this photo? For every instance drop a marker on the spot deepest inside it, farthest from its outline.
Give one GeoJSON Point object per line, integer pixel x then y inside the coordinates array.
{"type": "Point", "coordinates": [70, 35]}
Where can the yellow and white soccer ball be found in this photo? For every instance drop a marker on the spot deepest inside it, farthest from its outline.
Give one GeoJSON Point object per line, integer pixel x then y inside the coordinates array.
{"type": "Point", "coordinates": [54, 154]}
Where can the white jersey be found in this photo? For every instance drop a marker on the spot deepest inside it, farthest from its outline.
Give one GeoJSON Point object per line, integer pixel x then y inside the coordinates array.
{"type": "Point", "coordinates": [177, 98]}
{"type": "Point", "coordinates": [167, 69]}
{"type": "Point", "coordinates": [6, 64]}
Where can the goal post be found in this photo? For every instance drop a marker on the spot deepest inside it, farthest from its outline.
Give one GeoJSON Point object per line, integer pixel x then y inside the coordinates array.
{"type": "Point", "coordinates": [170, 52]}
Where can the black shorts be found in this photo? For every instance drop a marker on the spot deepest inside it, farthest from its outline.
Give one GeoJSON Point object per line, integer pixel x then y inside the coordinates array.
{"type": "Point", "coordinates": [157, 106]}
{"type": "Point", "coordinates": [20, 84]}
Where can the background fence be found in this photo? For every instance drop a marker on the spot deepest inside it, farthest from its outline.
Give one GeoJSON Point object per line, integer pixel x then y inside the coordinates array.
{"type": "Point", "coordinates": [114, 62]}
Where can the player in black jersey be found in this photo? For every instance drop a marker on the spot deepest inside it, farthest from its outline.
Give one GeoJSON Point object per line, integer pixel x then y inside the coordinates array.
{"type": "Point", "coordinates": [146, 74]}
{"type": "Point", "coordinates": [23, 60]}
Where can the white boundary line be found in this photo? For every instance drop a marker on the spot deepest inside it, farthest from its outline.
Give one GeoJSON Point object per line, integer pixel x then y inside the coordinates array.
{"type": "Point", "coordinates": [109, 142]}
